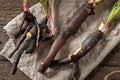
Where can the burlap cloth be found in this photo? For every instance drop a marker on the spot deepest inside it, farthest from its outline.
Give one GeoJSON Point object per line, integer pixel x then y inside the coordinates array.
{"type": "Point", "coordinates": [65, 8]}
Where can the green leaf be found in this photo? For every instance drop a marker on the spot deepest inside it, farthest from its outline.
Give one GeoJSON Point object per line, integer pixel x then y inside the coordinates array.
{"type": "Point", "coordinates": [44, 4]}
{"type": "Point", "coordinates": [115, 11]}
{"type": "Point", "coordinates": [52, 5]}
{"type": "Point", "coordinates": [51, 14]}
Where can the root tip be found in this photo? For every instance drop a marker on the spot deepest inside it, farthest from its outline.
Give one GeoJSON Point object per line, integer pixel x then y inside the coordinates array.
{"type": "Point", "coordinates": [41, 69]}
{"type": "Point", "coordinates": [13, 72]}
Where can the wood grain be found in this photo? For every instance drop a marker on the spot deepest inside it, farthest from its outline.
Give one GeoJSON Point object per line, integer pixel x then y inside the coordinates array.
{"type": "Point", "coordinates": [11, 8]}
{"type": "Point", "coordinates": [5, 69]}
{"type": "Point", "coordinates": [8, 10]}
{"type": "Point", "coordinates": [100, 72]}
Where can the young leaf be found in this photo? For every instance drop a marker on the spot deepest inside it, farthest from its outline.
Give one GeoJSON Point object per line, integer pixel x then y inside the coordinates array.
{"type": "Point", "coordinates": [115, 11]}
{"type": "Point", "coordinates": [95, 1]}
{"type": "Point", "coordinates": [26, 5]}
{"type": "Point", "coordinates": [44, 4]}
{"type": "Point", "coordinates": [51, 14]}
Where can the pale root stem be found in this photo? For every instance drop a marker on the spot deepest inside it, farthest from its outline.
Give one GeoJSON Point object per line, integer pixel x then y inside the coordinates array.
{"type": "Point", "coordinates": [95, 1]}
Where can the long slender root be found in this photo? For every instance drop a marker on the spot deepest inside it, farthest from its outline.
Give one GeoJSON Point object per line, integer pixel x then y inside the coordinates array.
{"type": "Point", "coordinates": [22, 29]}
{"type": "Point", "coordinates": [21, 40]}
{"type": "Point", "coordinates": [60, 62]}
{"type": "Point", "coordinates": [86, 46]}
{"type": "Point", "coordinates": [71, 29]}
{"type": "Point", "coordinates": [15, 63]}
{"type": "Point", "coordinates": [32, 34]}
{"type": "Point", "coordinates": [31, 47]}
{"type": "Point", "coordinates": [75, 71]}
{"type": "Point", "coordinates": [38, 32]}
{"type": "Point", "coordinates": [22, 47]}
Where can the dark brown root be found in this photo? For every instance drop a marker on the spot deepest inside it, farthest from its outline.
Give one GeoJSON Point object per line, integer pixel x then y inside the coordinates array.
{"type": "Point", "coordinates": [60, 62]}
{"type": "Point", "coordinates": [87, 45]}
{"type": "Point", "coordinates": [22, 29]}
{"type": "Point", "coordinates": [21, 49]}
{"type": "Point", "coordinates": [31, 47]}
{"type": "Point", "coordinates": [15, 63]}
{"type": "Point", "coordinates": [21, 40]}
{"type": "Point", "coordinates": [70, 30]}
{"type": "Point", "coordinates": [75, 74]}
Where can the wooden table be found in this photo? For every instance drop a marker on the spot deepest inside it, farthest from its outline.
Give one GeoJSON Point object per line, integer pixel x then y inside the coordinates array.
{"type": "Point", "coordinates": [9, 9]}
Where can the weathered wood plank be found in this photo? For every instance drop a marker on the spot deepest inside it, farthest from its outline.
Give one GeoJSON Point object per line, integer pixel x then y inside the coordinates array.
{"type": "Point", "coordinates": [2, 58]}
{"type": "Point", "coordinates": [5, 72]}
{"type": "Point", "coordinates": [3, 38]}
{"type": "Point", "coordinates": [109, 64]}
{"type": "Point", "coordinates": [8, 10]}
{"type": "Point", "coordinates": [111, 60]}
{"type": "Point", "coordinates": [116, 50]}
{"type": "Point", "coordinates": [100, 72]}
{"type": "Point", "coordinates": [11, 8]}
